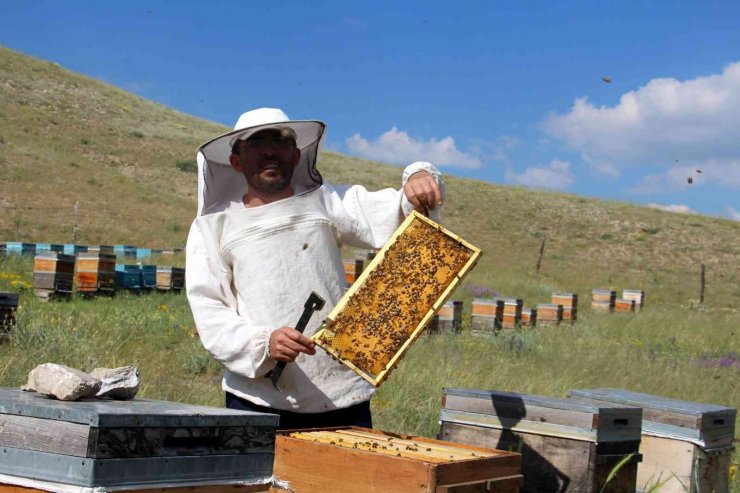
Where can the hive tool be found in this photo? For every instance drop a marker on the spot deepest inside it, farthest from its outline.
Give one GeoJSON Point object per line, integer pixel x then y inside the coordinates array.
{"type": "Point", "coordinates": [313, 303]}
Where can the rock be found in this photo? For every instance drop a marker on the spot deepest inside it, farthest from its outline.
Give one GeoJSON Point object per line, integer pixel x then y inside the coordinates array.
{"type": "Point", "coordinates": [62, 382]}
{"type": "Point", "coordinates": [118, 383]}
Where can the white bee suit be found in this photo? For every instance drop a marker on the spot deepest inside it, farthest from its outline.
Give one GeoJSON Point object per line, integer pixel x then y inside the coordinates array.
{"type": "Point", "coordinates": [249, 272]}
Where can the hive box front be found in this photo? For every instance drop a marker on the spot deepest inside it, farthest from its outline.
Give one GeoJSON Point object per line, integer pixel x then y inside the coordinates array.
{"type": "Point", "coordinates": [566, 445]}
{"type": "Point", "coordinates": [686, 446]}
{"type": "Point", "coordinates": [136, 443]}
{"type": "Point", "coordinates": [360, 460]}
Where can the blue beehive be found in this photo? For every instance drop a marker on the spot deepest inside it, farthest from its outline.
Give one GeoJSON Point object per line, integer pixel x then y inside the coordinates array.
{"type": "Point", "coordinates": [124, 251]}
{"type": "Point", "coordinates": [148, 276]}
{"type": "Point", "coordinates": [19, 248]}
{"type": "Point", "coordinates": [143, 253]}
{"type": "Point", "coordinates": [128, 276]}
{"type": "Point", "coordinates": [71, 249]}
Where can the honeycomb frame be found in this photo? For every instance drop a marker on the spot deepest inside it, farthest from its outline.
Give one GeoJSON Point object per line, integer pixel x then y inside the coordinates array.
{"type": "Point", "coordinates": [395, 297]}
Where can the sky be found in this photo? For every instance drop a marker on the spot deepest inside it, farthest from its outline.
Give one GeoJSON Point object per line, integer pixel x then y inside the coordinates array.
{"type": "Point", "coordinates": [630, 101]}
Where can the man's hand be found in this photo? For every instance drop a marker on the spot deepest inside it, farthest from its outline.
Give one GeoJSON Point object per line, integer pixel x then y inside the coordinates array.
{"type": "Point", "coordinates": [422, 191]}
{"type": "Point", "coordinates": [286, 344]}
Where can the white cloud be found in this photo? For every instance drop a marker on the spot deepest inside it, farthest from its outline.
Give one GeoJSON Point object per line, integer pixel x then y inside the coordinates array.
{"type": "Point", "coordinates": [556, 175]}
{"type": "Point", "coordinates": [667, 122]}
{"type": "Point", "coordinates": [398, 147]}
{"type": "Point", "coordinates": [682, 209]}
{"type": "Point", "coordinates": [733, 213]}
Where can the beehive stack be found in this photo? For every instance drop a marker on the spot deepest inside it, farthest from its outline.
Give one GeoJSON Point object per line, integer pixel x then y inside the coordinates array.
{"type": "Point", "coordinates": [566, 444]}
{"type": "Point", "coordinates": [96, 273]}
{"type": "Point", "coordinates": [603, 299]}
{"type": "Point", "coordinates": [570, 305]}
{"type": "Point", "coordinates": [148, 276]}
{"type": "Point", "coordinates": [136, 445]}
{"type": "Point", "coordinates": [8, 308]}
{"type": "Point", "coordinates": [353, 269]}
{"type": "Point", "coordinates": [449, 317]}
{"type": "Point", "coordinates": [170, 278]}
{"type": "Point", "coordinates": [635, 294]}
{"type": "Point", "coordinates": [142, 253]}
{"type": "Point", "coordinates": [686, 445]}
{"type": "Point", "coordinates": [549, 313]}
{"type": "Point", "coordinates": [487, 315]}
{"type": "Point", "coordinates": [104, 249]}
{"type": "Point", "coordinates": [124, 251]}
{"type": "Point", "coordinates": [72, 249]}
{"type": "Point", "coordinates": [512, 313]}
{"type": "Point", "coordinates": [20, 248]}
{"type": "Point", "coordinates": [360, 460]}
{"type": "Point", "coordinates": [529, 317]}
{"type": "Point", "coordinates": [53, 275]}
{"type": "Point", "coordinates": [128, 277]}
{"type": "Point", "coordinates": [622, 305]}
{"type": "Point", "coordinates": [395, 298]}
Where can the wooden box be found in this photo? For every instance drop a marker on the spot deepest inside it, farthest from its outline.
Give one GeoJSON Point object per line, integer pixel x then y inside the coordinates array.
{"type": "Point", "coordinates": [72, 249]}
{"type": "Point", "coordinates": [170, 278]}
{"type": "Point", "coordinates": [353, 269]}
{"type": "Point", "coordinates": [394, 299]}
{"type": "Point", "coordinates": [622, 305]}
{"type": "Point", "coordinates": [448, 318]}
{"type": "Point", "coordinates": [635, 294]}
{"type": "Point", "coordinates": [128, 277]}
{"type": "Point", "coordinates": [685, 445]}
{"type": "Point", "coordinates": [8, 308]}
{"type": "Point", "coordinates": [100, 443]}
{"type": "Point", "coordinates": [96, 273]}
{"type": "Point", "coordinates": [512, 313]}
{"type": "Point", "coordinates": [529, 317]}
{"type": "Point", "coordinates": [569, 302]}
{"type": "Point", "coordinates": [53, 275]}
{"type": "Point", "coordinates": [142, 253]}
{"type": "Point", "coordinates": [105, 249]}
{"type": "Point", "coordinates": [549, 313]}
{"type": "Point", "coordinates": [566, 445]}
{"type": "Point", "coordinates": [487, 315]}
{"type": "Point", "coordinates": [603, 299]}
{"type": "Point", "coordinates": [20, 248]}
{"type": "Point", "coordinates": [127, 251]}
{"type": "Point", "coordinates": [148, 276]}
{"type": "Point", "coordinates": [360, 460]}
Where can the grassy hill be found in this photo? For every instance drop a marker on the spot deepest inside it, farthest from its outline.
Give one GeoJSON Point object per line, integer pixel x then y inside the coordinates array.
{"type": "Point", "coordinates": [66, 138]}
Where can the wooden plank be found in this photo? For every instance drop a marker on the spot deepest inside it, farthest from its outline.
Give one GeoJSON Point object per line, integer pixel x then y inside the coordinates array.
{"type": "Point", "coordinates": [45, 435]}
{"type": "Point", "coordinates": [668, 460]}
{"type": "Point", "coordinates": [7, 488]}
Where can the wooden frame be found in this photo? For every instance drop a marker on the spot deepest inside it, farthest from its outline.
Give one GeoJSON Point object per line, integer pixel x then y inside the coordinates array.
{"type": "Point", "coordinates": [422, 257]}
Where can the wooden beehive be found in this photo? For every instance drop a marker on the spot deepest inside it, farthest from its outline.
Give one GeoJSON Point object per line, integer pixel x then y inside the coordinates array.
{"type": "Point", "coordinates": [170, 278]}
{"type": "Point", "coordinates": [635, 294]}
{"type": "Point", "coordinates": [512, 313]}
{"type": "Point", "coordinates": [96, 273]}
{"type": "Point", "coordinates": [567, 445]}
{"type": "Point", "coordinates": [105, 249]}
{"type": "Point", "coordinates": [20, 248]}
{"type": "Point", "coordinates": [685, 445]}
{"type": "Point", "coordinates": [448, 318]}
{"type": "Point", "coordinates": [353, 269]}
{"type": "Point", "coordinates": [395, 298]}
{"type": "Point", "coordinates": [53, 275]}
{"type": "Point", "coordinates": [549, 313]}
{"type": "Point", "coordinates": [128, 277]}
{"type": "Point", "coordinates": [8, 309]}
{"type": "Point", "coordinates": [622, 305]}
{"type": "Point", "coordinates": [124, 251]}
{"type": "Point", "coordinates": [360, 460]}
{"type": "Point", "coordinates": [529, 317]}
{"type": "Point", "coordinates": [135, 444]}
{"type": "Point", "coordinates": [569, 302]}
{"type": "Point", "coordinates": [72, 249]}
{"type": "Point", "coordinates": [487, 315]}
{"type": "Point", "coordinates": [148, 276]}
{"type": "Point", "coordinates": [603, 299]}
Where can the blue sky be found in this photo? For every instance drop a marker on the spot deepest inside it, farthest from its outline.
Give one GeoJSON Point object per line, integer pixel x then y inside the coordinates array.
{"type": "Point", "coordinates": [617, 100]}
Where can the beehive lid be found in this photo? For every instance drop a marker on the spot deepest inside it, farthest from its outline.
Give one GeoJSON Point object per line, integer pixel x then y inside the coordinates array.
{"type": "Point", "coordinates": [550, 416]}
{"type": "Point", "coordinates": [389, 305]}
{"type": "Point", "coordinates": [704, 424]}
{"type": "Point", "coordinates": [134, 413]}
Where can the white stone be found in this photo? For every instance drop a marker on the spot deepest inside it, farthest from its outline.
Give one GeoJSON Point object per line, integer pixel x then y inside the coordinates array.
{"type": "Point", "coordinates": [118, 383]}
{"type": "Point", "coordinates": [62, 382]}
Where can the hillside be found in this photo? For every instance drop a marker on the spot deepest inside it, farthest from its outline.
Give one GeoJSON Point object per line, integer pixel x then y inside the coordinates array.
{"type": "Point", "coordinates": [130, 163]}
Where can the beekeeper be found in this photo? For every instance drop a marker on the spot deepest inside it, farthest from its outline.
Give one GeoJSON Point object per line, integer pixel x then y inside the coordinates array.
{"type": "Point", "coordinates": [268, 232]}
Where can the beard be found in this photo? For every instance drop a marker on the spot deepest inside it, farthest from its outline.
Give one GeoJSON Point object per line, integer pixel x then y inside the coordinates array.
{"type": "Point", "coordinates": [271, 185]}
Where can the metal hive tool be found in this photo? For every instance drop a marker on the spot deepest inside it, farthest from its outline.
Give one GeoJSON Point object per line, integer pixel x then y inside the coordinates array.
{"type": "Point", "coordinates": [386, 309]}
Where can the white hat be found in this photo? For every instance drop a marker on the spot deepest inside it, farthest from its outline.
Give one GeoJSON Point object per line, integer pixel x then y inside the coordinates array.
{"type": "Point", "coordinates": [219, 183]}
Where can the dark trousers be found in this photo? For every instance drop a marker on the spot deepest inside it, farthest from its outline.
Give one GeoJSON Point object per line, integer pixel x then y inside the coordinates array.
{"type": "Point", "coordinates": [357, 415]}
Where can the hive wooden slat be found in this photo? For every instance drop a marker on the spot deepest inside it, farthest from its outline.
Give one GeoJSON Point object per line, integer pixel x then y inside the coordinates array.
{"type": "Point", "coordinates": [395, 298]}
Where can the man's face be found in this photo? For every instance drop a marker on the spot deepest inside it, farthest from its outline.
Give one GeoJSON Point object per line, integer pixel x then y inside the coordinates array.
{"type": "Point", "coordinates": [267, 159]}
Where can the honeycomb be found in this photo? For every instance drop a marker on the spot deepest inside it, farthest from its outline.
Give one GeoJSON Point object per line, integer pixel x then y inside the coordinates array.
{"type": "Point", "coordinates": [395, 297]}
